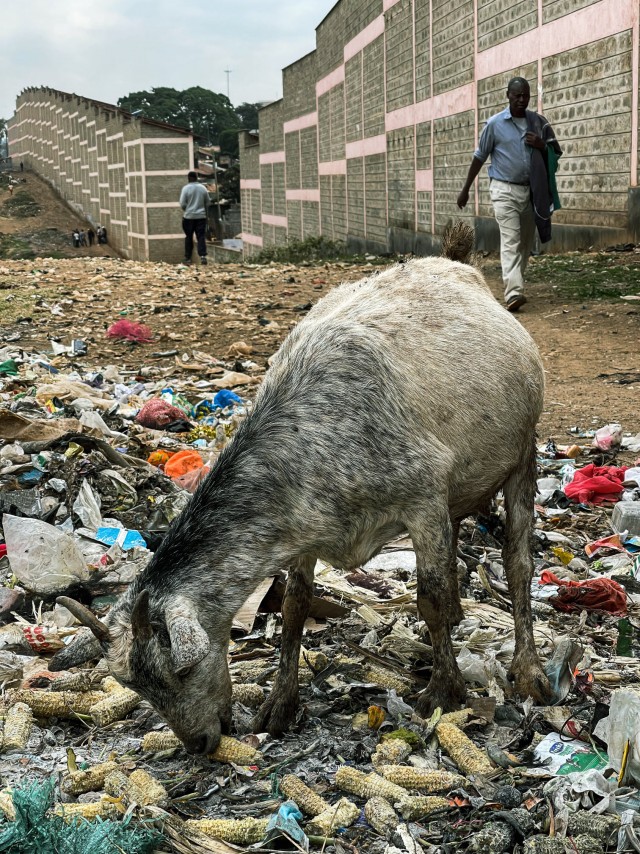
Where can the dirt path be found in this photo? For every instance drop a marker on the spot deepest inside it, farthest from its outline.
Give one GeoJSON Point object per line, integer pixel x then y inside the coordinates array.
{"type": "Point", "coordinates": [588, 335]}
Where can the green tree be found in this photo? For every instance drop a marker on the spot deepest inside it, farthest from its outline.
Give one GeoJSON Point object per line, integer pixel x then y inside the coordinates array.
{"type": "Point", "coordinates": [248, 115]}
{"type": "Point", "coordinates": [228, 141]}
{"type": "Point", "coordinates": [205, 113]}
{"type": "Point", "coordinates": [230, 183]}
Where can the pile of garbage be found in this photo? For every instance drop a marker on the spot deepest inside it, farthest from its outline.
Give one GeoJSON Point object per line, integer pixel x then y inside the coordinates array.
{"type": "Point", "coordinates": [95, 465]}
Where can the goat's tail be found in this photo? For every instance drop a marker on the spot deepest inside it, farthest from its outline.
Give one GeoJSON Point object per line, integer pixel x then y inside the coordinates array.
{"type": "Point", "coordinates": [458, 239]}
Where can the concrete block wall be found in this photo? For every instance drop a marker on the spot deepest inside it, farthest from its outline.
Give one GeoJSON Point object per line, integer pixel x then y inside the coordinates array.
{"type": "Point", "coordinates": [115, 170]}
{"type": "Point", "coordinates": [378, 125]}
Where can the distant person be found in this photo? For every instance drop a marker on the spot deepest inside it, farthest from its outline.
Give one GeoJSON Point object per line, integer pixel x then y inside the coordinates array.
{"type": "Point", "coordinates": [21, 166]}
{"type": "Point", "coordinates": [194, 201]}
{"type": "Point", "coordinates": [10, 188]}
{"type": "Point", "coordinates": [524, 152]}
{"type": "Point", "coordinates": [83, 238]}
{"type": "Point", "coordinates": [91, 236]}
{"type": "Point", "coordinates": [75, 236]}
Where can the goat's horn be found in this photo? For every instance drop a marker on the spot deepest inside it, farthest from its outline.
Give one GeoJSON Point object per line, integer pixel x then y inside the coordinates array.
{"type": "Point", "coordinates": [86, 617]}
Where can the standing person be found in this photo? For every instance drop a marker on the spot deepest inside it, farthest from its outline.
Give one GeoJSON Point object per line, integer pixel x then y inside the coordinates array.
{"type": "Point", "coordinates": [21, 166]}
{"type": "Point", "coordinates": [91, 235]}
{"type": "Point", "coordinates": [524, 152]}
{"type": "Point", "coordinates": [194, 201]}
{"type": "Point", "coordinates": [75, 236]}
{"type": "Point", "coordinates": [83, 238]}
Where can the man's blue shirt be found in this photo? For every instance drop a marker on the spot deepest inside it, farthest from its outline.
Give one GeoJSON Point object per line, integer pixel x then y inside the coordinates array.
{"type": "Point", "coordinates": [503, 140]}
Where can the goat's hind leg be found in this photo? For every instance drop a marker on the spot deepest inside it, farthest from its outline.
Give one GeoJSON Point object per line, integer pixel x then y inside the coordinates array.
{"type": "Point", "coordinates": [439, 605]}
{"type": "Point", "coordinates": [278, 711]}
{"type": "Point", "coordinates": [519, 492]}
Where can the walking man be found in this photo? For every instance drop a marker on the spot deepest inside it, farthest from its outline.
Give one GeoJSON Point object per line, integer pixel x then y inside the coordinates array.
{"type": "Point", "coordinates": [194, 201]}
{"type": "Point", "coordinates": [524, 152]}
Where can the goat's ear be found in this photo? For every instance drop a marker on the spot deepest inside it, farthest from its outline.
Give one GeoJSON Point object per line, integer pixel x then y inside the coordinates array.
{"type": "Point", "coordinates": [140, 623]}
{"type": "Point", "coordinates": [189, 641]}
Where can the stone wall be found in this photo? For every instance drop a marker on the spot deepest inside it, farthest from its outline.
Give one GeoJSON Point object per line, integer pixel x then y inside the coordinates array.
{"type": "Point", "coordinates": [121, 172]}
{"type": "Point", "coordinates": [375, 133]}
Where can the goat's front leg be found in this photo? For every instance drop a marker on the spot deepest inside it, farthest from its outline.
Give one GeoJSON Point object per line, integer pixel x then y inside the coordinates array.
{"type": "Point", "coordinates": [438, 605]}
{"type": "Point", "coordinates": [278, 711]}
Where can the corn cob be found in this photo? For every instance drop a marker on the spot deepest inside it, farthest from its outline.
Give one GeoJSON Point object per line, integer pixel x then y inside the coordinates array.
{"type": "Point", "coordinates": [307, 800]}
{"type": "Point", "coordinates": [115, 706]}
{"type": "Point", "coordinates": [243, 831]}
{"type": "Point", "coordinates": [384, 678]}
{"type": "Point", "coordinates": [116, 783]}
{"type": "Point", "coordinates": [458, 718]}
{"type": "Point", "coordinates": [602, 827]}
{"type": "Point", "coordinates": [469, 758]}
{"type": "Point", "coordinates": [312, 659]}
{"type": "Point", "coordinates": [72, 682]}
{"type": "Point", "coordinates": [341, 814]}
{"type": "Point", "coordinates": [110, 685]}
{"type": "Point", "coordinates": [57, 704]}
{"type": "Point", "coordinates": [250, 670]}
{"type": "Point", "coordinates": [6, 804]}
{"type": "Point", "coordinates": [165, 740]}
{"type": "Point", "coordinates": [390, 752]}
{"type": "Point", "coordinates": [421, 806]}
{"type": "Point", "coordinates": [232, 750]}
{"type": "Point", "coordinates": [104, 808]}
{"type": "Point", "coordinates": [153, 792]}
{"type": "Point", "coordinates": [544, 845]}
{"type": "Point", "coordinates": [496, 837]}
{"type": "Point", "coordinates": [381, 816]}
{"type": "Point", "coordinates": [17, 727]}
{"type": "Point", "coordinates": [91, 780]}
{"type": "Point", "coordinates": [250, 695]}
{"type": "Point", "coordinates": [369, 785]}
{"type": "Point", "coordinates": [421, 779]}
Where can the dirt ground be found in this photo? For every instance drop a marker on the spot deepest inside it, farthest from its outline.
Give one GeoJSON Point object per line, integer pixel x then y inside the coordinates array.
{"type": "Point", "coordinates": [587, 333]}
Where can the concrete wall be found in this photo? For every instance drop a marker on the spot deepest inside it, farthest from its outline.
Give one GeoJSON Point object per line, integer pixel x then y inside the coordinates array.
{"type": "Point", "coordinates": [115, 170]}
{"type": "Point", "coordinates": [374, 135]}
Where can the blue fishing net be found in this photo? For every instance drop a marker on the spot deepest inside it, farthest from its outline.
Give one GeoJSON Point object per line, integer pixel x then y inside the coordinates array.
{"type": "Point", "coordinates": [36, 832]}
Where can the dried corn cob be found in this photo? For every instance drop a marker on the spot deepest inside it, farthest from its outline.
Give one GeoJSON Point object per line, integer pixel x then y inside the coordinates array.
{"type": "Point", "coordinates": [72, 682]}
{"type": "Point", "coordinates": [602, 827]}
{"type": "Point", "coordinates": [469, 758]}
{"type": "Point", "coordinates": [341, 814]}
{"type": "Point", "coordinates": [421, 806]}
{"type": "Point", "coordinates": [6, 804]}
{"type": "Point", "coordinates": [232, 750]}
{"type": "Point", "coordinates": [116, 783]}
{"type": "Point", "coordinates": [312, 659]}
{"type": "Point", "coordinates": [586, 844]}
{"type": "Point", "coordinates": [544, 845]}
{"type": "Point", "coordinates": [250, 695]}
{"type": "Point", "coordinates": [110, 685]}
{"type": "Point", "coordinates": [369, 785]}
{"type": "Point", "coordinates": [91, 780]}
{"type": "Point", "coordinates": [381, 816]}
{"type": "Point", "coordinates": [250, 670]}
{"type": "Point", "coordinates": [165, 740]}
{"type": "Point", "coordinates": [57, 704]}
{"type": "Point", "coordinates": [104, 808]}
{"type": "Point", "coordinates": [152, 791]}
{"type": "Point", "coordinates": [458, 718]}
{"type": "Point", "coordinates": [421, 779]}
{"type": "Point", "coordinates": [387, 679]}
{"type": "Point", "coordinates": [390, 752]}
{"type": "Point", "coordinates": [115, 706]}
{"type": "Point", "coordinates": [17, 727]}
{"type": "Point", "coordinates": [496, 837]}
{"type": "Point", "coordinates": [241, 831]}
{"type": "Point", "coordinates": [307, 800]}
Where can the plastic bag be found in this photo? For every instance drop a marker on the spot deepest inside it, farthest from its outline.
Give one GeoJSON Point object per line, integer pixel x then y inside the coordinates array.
{"type": "Point", "coordinates": [183, 462]}
{"type": "Point", "coordinates": [607, 437]}
{"type": "Point", "coordinates": [594, 594]}
{"type": "Point", "coordinates": [44, 559]}
{"type": "Point", "coordinates": [87, 507]}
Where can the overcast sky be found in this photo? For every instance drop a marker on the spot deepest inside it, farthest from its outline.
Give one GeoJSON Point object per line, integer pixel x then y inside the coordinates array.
{"type": "Point", "coordinates": [105, 49]}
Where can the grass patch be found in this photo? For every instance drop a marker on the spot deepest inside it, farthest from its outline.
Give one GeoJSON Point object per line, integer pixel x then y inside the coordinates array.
{"type": "Point", "coordinates": [313, 249]}
{"type": "Point", "coordinates": [21, 206]}
{"type": "Point", "coordinates": [602, 275]}
{"type": "Point", "coordinates": [14, 248]}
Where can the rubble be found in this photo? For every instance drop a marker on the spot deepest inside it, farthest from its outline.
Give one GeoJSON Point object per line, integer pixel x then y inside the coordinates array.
{"type": "Point", "coordinates": [97, 460]}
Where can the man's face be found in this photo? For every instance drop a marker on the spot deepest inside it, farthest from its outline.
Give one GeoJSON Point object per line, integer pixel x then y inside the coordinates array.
{"type": "Point", "coordinates": [518, 95]}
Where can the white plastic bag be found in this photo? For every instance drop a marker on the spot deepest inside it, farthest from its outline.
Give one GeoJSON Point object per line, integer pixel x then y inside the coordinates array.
{"type": "Point", "coordinates": [44, 559]}
{"type": "Point", "coordinates": [87, 507]}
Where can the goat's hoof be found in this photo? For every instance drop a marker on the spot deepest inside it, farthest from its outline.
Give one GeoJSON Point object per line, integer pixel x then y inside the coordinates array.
{"type": "Point", "coordinates": [276, 714]}
{"type": "Point", "coordinates": [447, 694]}
{"type": "Point", "coordinates": [530, 680]}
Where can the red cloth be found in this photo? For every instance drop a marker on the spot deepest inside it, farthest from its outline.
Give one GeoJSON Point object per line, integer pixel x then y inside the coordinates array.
{"type": "Point", "coordinates": [594, 594]}
{"type": "Point", "coordinates": [595, 484]}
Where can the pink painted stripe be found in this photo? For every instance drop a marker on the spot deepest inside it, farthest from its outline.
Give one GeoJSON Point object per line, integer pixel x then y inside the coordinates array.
{"type": "Point", "coordinates": [301, 122]}
{"type": "Point", "coordinates": [590, 24]}
{"type": "Point", "coordinates": [364, 37]}
{"type": "Point", "coordinates": [448, 104]}
{"type": "Point", "coordinates": [303, 195]}
{"type": "Point", "coordinates": [332, 167]}
{"type": "Point", "coordinates": [272, 157]}
{"type": "Point", "coordinates": [387, 4]}
{"type": "Point", "coordinates": [332, 79]}
{"type": "Point", "coordinates": [250, 184]}
{"type": "Point", "coordinates": [370, 145]}
{"type": "Point", "coordinates": [270, 219]}
{"type": "Point", "coordinates": [251, 238]}
{"type": "Point", "coordinates": [424, 180]}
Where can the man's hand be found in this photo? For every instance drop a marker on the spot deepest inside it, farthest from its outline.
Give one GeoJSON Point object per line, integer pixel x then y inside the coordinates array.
{"type": "Point", "coordinates": [535, 141]}
{"type": "Point", "coordinates": [463, 198]}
